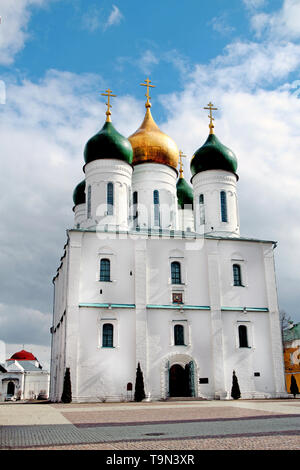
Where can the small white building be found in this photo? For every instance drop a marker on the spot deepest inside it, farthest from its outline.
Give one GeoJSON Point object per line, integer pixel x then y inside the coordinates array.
{"type": "Point", "coordinates": [22, 378]}
{"type": "Point", "coordinates": [156, 272]}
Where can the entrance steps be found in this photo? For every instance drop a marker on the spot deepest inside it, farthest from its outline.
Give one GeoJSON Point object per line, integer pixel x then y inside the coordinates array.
{"type": "Point", "coordinates": [186, 399]}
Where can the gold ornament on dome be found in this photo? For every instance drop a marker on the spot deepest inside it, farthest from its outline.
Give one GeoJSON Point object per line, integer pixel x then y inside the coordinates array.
{"type": "Point", "coordinates": [109, 95]}
{"type": "Point", "coordinates": [211, 108]}
{"type": "Point", "coordinates": [149, 143]}
{"type": "Point", "coordinates": [181, 163]}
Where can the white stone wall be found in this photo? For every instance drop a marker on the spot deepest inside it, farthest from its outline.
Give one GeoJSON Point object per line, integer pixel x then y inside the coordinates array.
{"type": "Point", "coordinates": [210, 183]}
{"type": "Point", "coordinates": [148, 177]}
{"type": "Point", "coordinates": [141, 277]}
{"type": "Point", "coordinates": [98, 174]}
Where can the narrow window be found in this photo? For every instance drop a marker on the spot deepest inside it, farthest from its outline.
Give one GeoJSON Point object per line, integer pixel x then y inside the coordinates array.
{"type": "Point", "coordinates": [110, 198]}
{"type": "Point", "coordinates": [178, 335]}
{"type": "Point", "coordinates": [156, 208]}
{"type": "Point", "coordinates": [89, 197]}
{"type": "Point", "coordinates": [105, 270]}
{"type": "Point", "coordinates": [108, 335]}
{"type": "Point", "coordinates": [237, 279]}
{"type": "Point", "coordinates": [224, 217]}
{"type": "Point", "coordinates": [243, 337]}
{"type": "Point", "coordinates": [202, 209]}
{"type": "Point", "coordinates": [176, 272]}
{"type": "Point", "coordinates": [135, 206]}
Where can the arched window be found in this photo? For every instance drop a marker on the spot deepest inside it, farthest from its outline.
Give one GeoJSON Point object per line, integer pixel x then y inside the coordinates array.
{"type": "Point", "coordinates": [110, 198]}
{"type": "Point", "coordinates": [202, 209]}
{"type": "Point", "coordinates": [223, 199]}
{"type": "Point", "coordinates": [156, 208]}
{"type": "Point", "coordinates": [237, 278]}
{"type": "Point", "coordinates": [135, 206]}
{"type": "Point", "coordinates": [178, 335]}
{"type": "Point", "coordinates": [176, 272]}
{"type": "Point", "coordinates": [89, 197]}
{"type": "Point", "coordinates": [243, 337]}
{"type": "Point", "coordinates": [105, 270]}
{"type": "Point", "coordinates": [108, 335]}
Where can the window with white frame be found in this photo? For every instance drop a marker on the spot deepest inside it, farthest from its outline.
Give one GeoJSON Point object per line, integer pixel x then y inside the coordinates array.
{"type": "Point", "coordinates": [89, 201]}
{"type": "Point", "coordinates": [237, 275]}
{"type": "Point", "coordinates": [202, 209]}
{"type": "Point", "coordinates": [223, 203]}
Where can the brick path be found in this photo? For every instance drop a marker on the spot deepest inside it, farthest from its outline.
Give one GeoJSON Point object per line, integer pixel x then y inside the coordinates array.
{"type": "Point", "coordinates": [242, 424]}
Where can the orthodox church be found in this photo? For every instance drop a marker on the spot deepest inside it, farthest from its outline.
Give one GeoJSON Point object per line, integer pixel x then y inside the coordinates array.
{"type": "Point", "coordinates": [22, 378]}
{"type": "Point", "coordinates": [155, 272]}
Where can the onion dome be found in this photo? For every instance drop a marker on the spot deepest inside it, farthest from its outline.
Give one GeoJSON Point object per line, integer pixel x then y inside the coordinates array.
{"type": "Point", "coordinates": [184, 193]}
{"type": "Point", "coordinates": [79, 194]}
{"type": "Point", "coordinates": [213, 155]}
{"type": "Point", "coordinates": [150, 144]}
{"type": "Point", "coordinates": [23, 356]}
{"type": "Point", "coordinates": [108, 143]}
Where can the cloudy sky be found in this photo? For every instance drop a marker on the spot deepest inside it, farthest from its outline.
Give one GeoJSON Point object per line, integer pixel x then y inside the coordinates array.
{"type": "Point", "coordinates": [57, 56]}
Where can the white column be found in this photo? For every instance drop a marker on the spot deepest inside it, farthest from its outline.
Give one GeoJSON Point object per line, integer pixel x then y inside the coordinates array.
{"type": "Point", "coordinates": [72, 333]}
{"type": "Point", "coordinates": [150, 177]}
{"type": "Point", "coordinates": [79, 215]}
{"type": "Point", "coordinates": [98, 174]}
{"type": "Point", "coordinates": [216, 319]}
{"type": "Point", "coordinates": [210, 184]}
{"type": "Point", "coordinates": [141, 310]}
{"type": "Point", "coordinates": [275, 330]}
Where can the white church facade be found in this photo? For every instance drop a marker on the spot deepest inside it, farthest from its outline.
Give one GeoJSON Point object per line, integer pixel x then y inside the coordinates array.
{"type": "Point", "coordinates": [156, 272]}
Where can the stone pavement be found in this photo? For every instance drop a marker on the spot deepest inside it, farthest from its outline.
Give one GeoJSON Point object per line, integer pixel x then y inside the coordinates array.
{"type": "Point", "coordinates": [241, 424]}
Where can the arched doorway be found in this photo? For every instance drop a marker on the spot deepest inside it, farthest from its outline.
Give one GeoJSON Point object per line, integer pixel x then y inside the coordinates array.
{"type": "Point", "coordinates": [10, 388]}
{"type": "Point", "coordinates": [181, 380]}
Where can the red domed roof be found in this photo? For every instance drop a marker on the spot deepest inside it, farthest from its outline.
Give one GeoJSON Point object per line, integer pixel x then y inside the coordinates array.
{"type": "Point", "coordinates": [23, 356]}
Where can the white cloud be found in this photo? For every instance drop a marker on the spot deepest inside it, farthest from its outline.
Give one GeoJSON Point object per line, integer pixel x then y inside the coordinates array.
{"type": "Point", "coordinates": [261, 125]}
{"type": "Point", "coordinates": [114, 18]}
{"type": "Point", "coordinates": [254, 4]}
{"type": "Point", "coordinates": [220, 25]}
{"type": "Point", "coordinates": [250, 64]}
{"type": "Point", "coordinates": [282, 24]}
{"type": "Point", "coordinates": [43, 129]}
{"type": "Point", "coordinates": [91, 20]}
{"type": "Point", "coordinates": [15, 16]}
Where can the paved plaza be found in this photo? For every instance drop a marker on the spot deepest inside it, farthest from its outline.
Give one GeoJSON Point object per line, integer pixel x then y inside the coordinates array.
{"type": "Point", "coordinates": [180, 425]}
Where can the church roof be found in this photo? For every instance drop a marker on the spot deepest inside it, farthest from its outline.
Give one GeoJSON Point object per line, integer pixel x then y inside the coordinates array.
{"type": "Point", "coordinates": [290, 334]}
{"type": "Point", "coordinates": [108, 143]}
{"type": "Point", "coordinates": [184, 193]}
{"type": "Point", "coordinates": [23, 356]}
{"type": "Point", "coordinates": [29, 366]}
{"type": "Point", "coordinates": [213, 155]}
{"type": "Point", "coordinates": [79, 194]}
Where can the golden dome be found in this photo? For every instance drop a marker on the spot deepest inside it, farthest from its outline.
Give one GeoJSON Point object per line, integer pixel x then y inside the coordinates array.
{"type": "Point", "coordinates": [151, 145]}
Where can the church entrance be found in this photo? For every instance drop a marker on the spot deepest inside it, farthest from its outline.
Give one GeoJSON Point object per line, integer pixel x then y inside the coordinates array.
{"type": "Point", "coordinates": [181, 380]}
{"type": "Point", "coordinates": [10, 388]}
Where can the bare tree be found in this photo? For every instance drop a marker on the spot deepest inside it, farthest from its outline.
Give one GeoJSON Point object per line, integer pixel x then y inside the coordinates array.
{"type": "Point", "coordinates": [285, 322]}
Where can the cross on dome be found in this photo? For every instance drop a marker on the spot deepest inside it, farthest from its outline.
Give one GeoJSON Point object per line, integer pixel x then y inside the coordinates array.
{"type": "Point", "coordinates": [211, 108]}
{"type": "Point", "coordinates": [180, 163]}
{"type": "Point", "coordinates": [109, 95]}
{"type": "Point", "coordinates": [147, 84]}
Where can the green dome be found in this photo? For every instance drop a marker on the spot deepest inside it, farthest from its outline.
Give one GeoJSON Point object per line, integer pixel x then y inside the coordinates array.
{"type": "Point", "coordinates": [213, 155]}
{"type": "Point", "coordinates": [108, 143]}
{"type": "Point", "coordinates": [79, 194]}
{"type": "Point", "coordinates": [184, 193]}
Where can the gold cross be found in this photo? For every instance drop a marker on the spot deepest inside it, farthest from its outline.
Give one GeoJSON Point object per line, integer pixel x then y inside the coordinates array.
{"type": "Point", "coordinates": [147, 84]}
{"type": "Point", "coordinates": [181, 164]}
{"type": "Point", "coordinates": [108, 94]}
{"type": "Point", "coordinates": [211, 108]}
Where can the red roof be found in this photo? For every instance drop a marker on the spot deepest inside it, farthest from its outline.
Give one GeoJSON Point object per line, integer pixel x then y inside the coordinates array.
{"type": "Point", "coordinates": [23, 356]}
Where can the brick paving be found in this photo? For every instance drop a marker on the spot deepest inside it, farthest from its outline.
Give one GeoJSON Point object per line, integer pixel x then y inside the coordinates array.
{"type": "Point", "coordinates": [211, 425]}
